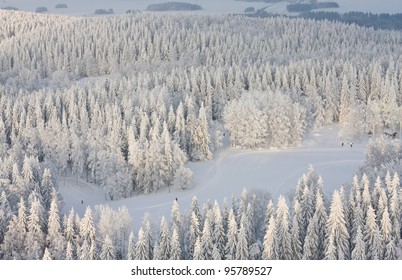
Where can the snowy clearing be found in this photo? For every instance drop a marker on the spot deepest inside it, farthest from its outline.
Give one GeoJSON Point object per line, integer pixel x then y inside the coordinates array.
{"type": "Point", "coordinates": [231, 171]}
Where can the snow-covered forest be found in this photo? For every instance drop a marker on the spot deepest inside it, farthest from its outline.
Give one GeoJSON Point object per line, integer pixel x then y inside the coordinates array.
{"type": "Point", "coordinates": [126, 101]}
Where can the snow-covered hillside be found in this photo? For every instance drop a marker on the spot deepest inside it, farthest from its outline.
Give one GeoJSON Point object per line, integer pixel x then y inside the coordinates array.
{"type": "Point", "coordinates": [231, 171]}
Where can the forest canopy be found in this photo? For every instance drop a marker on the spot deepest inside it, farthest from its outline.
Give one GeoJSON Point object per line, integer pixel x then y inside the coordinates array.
{"type": "Point", "coordinates": [125, 101]}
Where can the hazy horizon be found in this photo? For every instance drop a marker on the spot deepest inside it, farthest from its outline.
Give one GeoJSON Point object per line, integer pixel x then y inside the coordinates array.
{"type": "Point", "coordinates": [83, 7]}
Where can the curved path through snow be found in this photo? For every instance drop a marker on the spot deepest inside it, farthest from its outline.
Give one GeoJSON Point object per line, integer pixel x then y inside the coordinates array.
{"type": "Point", "coordinates": [231, 171]}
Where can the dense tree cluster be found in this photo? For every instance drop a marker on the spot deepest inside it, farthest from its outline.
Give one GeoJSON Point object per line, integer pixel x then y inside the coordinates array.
{"type": "Point", "coordinates": [383, 156]}
{"type": "Point", "coordinates": [312, 5]}
{"type": "Point", "coordinates": [263, 120]}
{"type": "Point", "coordinates": [364, 223]}
{"type": "Point", "coordinates": [377, 21]}
{"type": "Point", "coordinates": [173, 6]}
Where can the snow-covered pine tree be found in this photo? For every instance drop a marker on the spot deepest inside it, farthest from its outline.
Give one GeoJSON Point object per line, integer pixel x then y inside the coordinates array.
{"type": "Point", "coordinates": [296, 242]}
{"type": "Point", "coordinates": [175, 246]}
{"type": "Point", "coordinates": [197, 255]}
{"type": "Point", "coordinates": [206, 237]}
{"type": "Point", "coordinates": [232, 237]}
{"type": "Point", "coordinates": [131, 250]}
{"type": "Point", "coordinates": [337, 236]}
{"type": "Point", "coordinates": [372, 236]}
{"type": "Point", "coordinates": [218, 235]}
{"type": "Point", "coordinates": [359, 250]}
{"type": "Point", "coordinates": [283, 242]}
{"type": "Point", "coordinates": [35, 241]}
{"type": "Point", "coordinates": [269, 244]}
{"type": "Point", "coordinates": [141, 250]}
{"type": "Point", "coordinates": [55, 240]}
{"type": "Point", "coordinates": [108, 251]}
{"type": "Point", "coordinates": [46, 255]}
{"type": "Point", "coordinates": [164, 240]}
{"type": "Point", "coordinates": [242, 247]}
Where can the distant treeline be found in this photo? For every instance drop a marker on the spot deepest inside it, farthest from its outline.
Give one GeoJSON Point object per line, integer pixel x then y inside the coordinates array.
{"type": "Point", "coordinates": [377, 21]}
{"type": "Point", "coordinates": [10, 8]}
{"type": "Point", "coordinates": [104, 12]}
{"type": "Point", "coordinates": [265, 1]}
{"type": "Point", "coordinates": [61, 6]}
{"type": "Point", "coordinates": [173, 6]}
{"type": "Point", "coordinates": [306, 7]}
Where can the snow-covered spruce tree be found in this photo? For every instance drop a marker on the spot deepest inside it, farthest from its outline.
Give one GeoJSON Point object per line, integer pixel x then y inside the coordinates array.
{"type": "Point", "coordinates": [232, 237]}
{"type": "Point", "coordinates": [386, 226]}
{"type": "Point", "coordinates": [175, 246]}
{"type": "Point", "coordinates": [269, 244]}
{"type": "Point", "coordinates": [372, 236]}
{"type": "Point", "coordinates": [46, 255]}
{"type": "Point", "coordinates": [87, 237]}
{"type": "Point", "coordinates": [242, 247]}
{"type": "Point", "coordinates": [390, 251]}
{"type": "Point", "coordinates": [131, 250]}
{"type": "Point", "coordinates": [206, 238]}
{"type": "Point", "coordinates": [200, 139]}
{"type": "Point", "coordinates": [218, 235]}
{"type": "Point", "coordinates": [46, 189]}
{"type": "Point", "coordinates": [148, 234]}
{"type": "Point", "coordinates": [359, 250]}
{"type": "Point", "coordinates": [322, 217]}
{"type": "Point", "coordinates": [69, 251]}
{"type": "Point", "coordinates": [107, 252]}
{"type": "Point", "coordinates": [56, 243]}
{"type": "Point", "coordinates": [5, 214]}
{"type": "Point", "coordinates": [283, 242]}
{"type": "Point", "coordinates": [10, 245]}
{"type": "Point", "coordinates": [194, 233]}
{"type": "Point", "coordinates": [141, 250]}
{"type": "Point", "coordinates": [71, 228]}
{"type": "Point", "coordinates": [269, 212]}
{"type": "Point", "coordinates": [295, 232]}
{"type": "Point", "coordinates": [164, 240]}
{"type": "Point", "coordinates": [197, 255]}
{"type": "Point", "coordinates": [337, 236]}
{"type": "Point", "coordinates": [306, 209]}
{"type": "Point", "coordinates": [310, 247]}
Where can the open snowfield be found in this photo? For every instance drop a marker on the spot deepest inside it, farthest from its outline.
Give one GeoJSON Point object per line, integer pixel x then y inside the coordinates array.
{"type": "Point", "coordinates": [231, 171]}
{"type": "Point", "coordinates": [87, 7]}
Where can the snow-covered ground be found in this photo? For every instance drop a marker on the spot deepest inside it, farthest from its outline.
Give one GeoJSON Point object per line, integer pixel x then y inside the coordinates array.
{"type": "Point", "coordinates": [87, 7]}
{"type": "Point", "coordinates": [231, 171]}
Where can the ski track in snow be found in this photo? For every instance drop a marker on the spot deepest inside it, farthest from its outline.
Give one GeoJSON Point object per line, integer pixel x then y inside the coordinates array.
{"type": "Point", "coordinates": [276, 171]}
